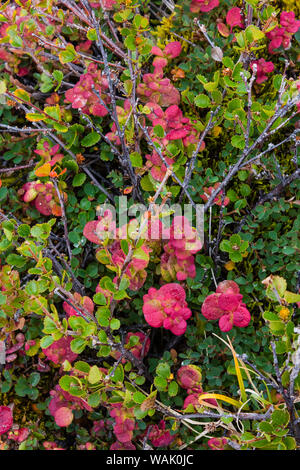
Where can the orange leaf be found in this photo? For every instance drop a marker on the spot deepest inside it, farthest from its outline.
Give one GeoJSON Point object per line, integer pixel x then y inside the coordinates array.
{"type": "Point", "coordinates": [56, 210]}
{"type": "Point", "coordinates": [128, 190]}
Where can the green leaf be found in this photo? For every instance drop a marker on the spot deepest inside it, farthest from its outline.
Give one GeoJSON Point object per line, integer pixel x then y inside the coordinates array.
{"type": "Point", "coordinates": [94, 399]}
{"type": "Point", "coordinates": [173, 389]}
{"type": "Point", "coordinates": [82, 366]}
{"type": "Point", "coordinates": [139, 397]}
{"type": "Point", "coordinates": [58, 75]}
{"type": "Point", "coordinates": [16, 260]}
{"type": "Point", "coordinates": [238, 141]}
{"type": "Point", "coordinates": [92, 35]}
{"type": "Point", "coordinates": [163, 370]}
{"type": "Point", "coordinates": [253, 33]}
{"type": "Point", "coordinates": [146, 184]}
{"type": "Point", "coordinates": [266, 427]}
{"type": "Point", "coordinates": [34, 379]}
{"type": "Point", "coordinates": [90, 139]}
{"type": "Point", "coordinates": [160, 383]}
{"type": "Point", "coordinates": [103, 316]}
{"type": "Point", "coordinates": [68, 55]}
{"type": "Point", "coordinates": [136, 160]}
{"type": "Point", "coordinates": [79, 179]}
{"type": "Point", "coordinates": [94, 375]}
{"type": "Point", "coordinates": [225, 245]}
{"type": "Point", "coordinates": [34, 117]}
{"type": "Point", "coordinates": [99, 299]}
{"type": "Point", "coordinates": [291, 298]}
{"type": "Point", "coordinates": [159, 131]}
{"type": "Point", "coordinates": [46, 341]}
{"type": "Point", "coordinates": [115, 324]}
{"type": "Point", "coordinates": [235, 257]}
{"type": "Point", "coordinates": [119, 374]}
{"type": "Point", "coordinates": [24, 230]}
{"type": "Point", "coordinates": [280, 418]}
{"type": "Point", "coordinates": [241, 39]}
{"type": "Point", "coordinates": [120, 295]}
{"type": "Point", "coordinates": [202, 101]}
{"type": "Point", "coordinates": [78, 345]}
{"type": "Point", "coordinates": [32, 288]}
{"type": "Point", "coordinates": [130, 42]}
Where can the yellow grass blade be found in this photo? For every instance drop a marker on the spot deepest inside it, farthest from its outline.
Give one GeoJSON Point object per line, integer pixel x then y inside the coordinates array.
{"type": "Point", "coordinates": [217, 396]}
{"type": "Point", "coordinates": [238, 372]}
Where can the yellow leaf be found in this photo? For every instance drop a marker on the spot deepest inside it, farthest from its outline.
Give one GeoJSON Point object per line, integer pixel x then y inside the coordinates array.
{"type": "Point", "coordinates": [217, 396]}
{"type": "Point", "coordinates": [20, 93]}
{"type": "Point", "coordinates": [34, 117]}
{"type": "Point", "coordinates": [2, 87]}
{"type": "Point", "coordinates": [43, 170]}
{"type": "Point", "coordinates": [238, 372]}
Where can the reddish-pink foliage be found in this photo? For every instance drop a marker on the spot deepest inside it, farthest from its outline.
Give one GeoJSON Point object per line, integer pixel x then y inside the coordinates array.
{"type": "Point", "coordinates": [62, 400]}
{"type": "Point", "coordinates": [289, 22]}
{"type": "Point", "coordinates": [83, 96]}
{"type": "Point", "coordinates": [124, 422]}
{"type": "Point", "coordinates": [193, 399]}
{"type": "Point", "coordinates": [218, 199]}
{"type": "Point", "coordinates": [84, 46]}
{"type": "Point", "coordinates": [173, 268]}
{"type": "Point", "coordinates": [85, 301]}
{"type": "Point", "coordinates": [178, 261]}
{"type": "Point", "coordinates": [63, 416]}
{"type": "Point", "coordinates": [172, 50]}
{"type": "Point", "coordinates": [42, 196]}
{"type": "Point", "coordinates": [263, 68]}
{"type": "Point", "coordinates": [60, 351]}
{"type": "Point", "coordinates": [124, 430]}
{"type": "Point", "coordinates": [159, 436]}
{"type": "Point", "coordinates": [278, 37]}
{"type": "Point", "coordinates": [105, 4]}
{"type": "Point", "coordinates": [227, 287]}
{"type": "Point", "coordinates": [86, 446]}
{"type": "Point", "coordinates": [203, 6]}
{"type": "Point", "coordinates": [167, 307]}
{"type": "Point", "coordinates": [99, 427]}
{"type": "Point", "coordinates": [234, 18]}
{"type": "Point", "coordinates": [189, 377]}
{"type": "Point", "coordinates": [227, 307]}
{"type": "Point", "coordinates": [13, 348]}
{"type": "Point", "coordinates": [282, 35]}
{"type": "Point", "coordinates": [174, 124]}
{"type": "Point", "coordinates": [18, 435]}
{"type": "Point", "coordinates": [157, 89]}
{"type": "Point", "coordinates": [50, 154]}
{"type": "Point", "coordinates": [139, 350]}
{"type": "Point", "coordinates": [108, 295]}
{"type": "Point", "coordinates": [158, 168]}
{"type": "Point", "coordinates": [29, 344]}
{"type": "Point", "coordinates": [98, 230]}
{"type": "Point", "coordinates": [217, 443]}
{"type": "Point", "coordinates": [50, 445]}
{"type": "Point", "coordinates": [122, 446]}
{"type": "Point", "coordinates": [123, 114]}
{"type": "Point", "coordinates": [135, 271]}
{"type": "Point", "coordinates": [6, 419]}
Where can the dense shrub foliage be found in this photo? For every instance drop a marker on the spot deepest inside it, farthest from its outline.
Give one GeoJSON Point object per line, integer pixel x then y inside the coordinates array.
{"type": "Point", "coordinates": [135, 331]}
